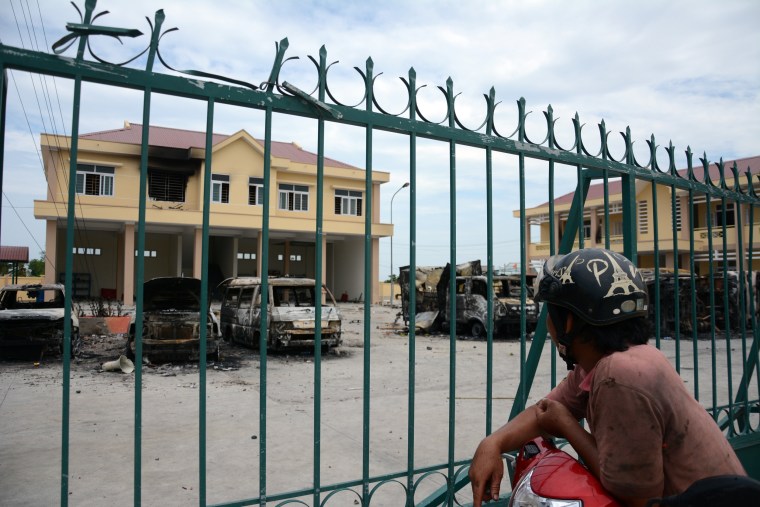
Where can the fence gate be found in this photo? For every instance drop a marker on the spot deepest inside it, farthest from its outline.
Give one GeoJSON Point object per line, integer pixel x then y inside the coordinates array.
{"type": "Point", "coordinates": [733, 400]}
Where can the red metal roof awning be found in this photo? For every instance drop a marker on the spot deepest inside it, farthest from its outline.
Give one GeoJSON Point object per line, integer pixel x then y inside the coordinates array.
{"type": "Point", "coordinates": [14, 254]}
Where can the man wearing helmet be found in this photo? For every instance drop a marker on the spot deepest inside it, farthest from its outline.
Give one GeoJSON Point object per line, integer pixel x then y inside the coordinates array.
{"type": "Point", "coordinates": [649, 436]}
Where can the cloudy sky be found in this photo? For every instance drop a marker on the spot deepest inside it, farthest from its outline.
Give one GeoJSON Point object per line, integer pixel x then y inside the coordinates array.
{"type": "Point", "coordinates": [685, 71]}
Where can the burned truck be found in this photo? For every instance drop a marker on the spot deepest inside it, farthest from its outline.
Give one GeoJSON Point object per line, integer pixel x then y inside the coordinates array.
{"type": "Point", "coordinates": [32, 320]}
{"type": "Point", "coordinates": [471, 292]}
{"type": "Point", "coordinates": [719, 298]}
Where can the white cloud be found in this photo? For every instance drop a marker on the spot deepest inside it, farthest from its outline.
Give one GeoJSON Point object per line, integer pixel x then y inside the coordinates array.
{"type": "Point", "coordinates": [684, 71]}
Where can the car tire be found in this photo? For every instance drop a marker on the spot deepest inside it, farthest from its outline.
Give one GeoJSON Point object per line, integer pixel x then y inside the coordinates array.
{"type": "Point", "coordinates": [76, 344]}
{"type": "Point", "coordinates": [214, 356]}
{"type": "Point", "coordinates": [477, 329]}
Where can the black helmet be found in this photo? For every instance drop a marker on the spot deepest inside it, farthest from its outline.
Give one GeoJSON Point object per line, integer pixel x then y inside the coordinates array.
{"type": "Point", "coordinates": [599, 286]}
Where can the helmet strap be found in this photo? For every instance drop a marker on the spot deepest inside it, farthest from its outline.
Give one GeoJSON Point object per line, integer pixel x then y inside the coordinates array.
{"type": "Point", "coordinates": [559, 316]}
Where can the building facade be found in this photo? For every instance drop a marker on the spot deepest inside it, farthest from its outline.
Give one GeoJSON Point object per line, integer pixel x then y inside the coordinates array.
{"type": "Point", "coordinates": [538, 230]}
{"type": "Point", "coordinates": [107, 208]}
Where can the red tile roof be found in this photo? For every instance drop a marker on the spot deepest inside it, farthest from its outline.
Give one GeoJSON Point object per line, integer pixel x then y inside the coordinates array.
{"type": "Point", "coordinates": [14, 254]}
{"type": "Point", "coordinates": [597, 191]}
{"type": "Point", "coordinates": [185, 139]}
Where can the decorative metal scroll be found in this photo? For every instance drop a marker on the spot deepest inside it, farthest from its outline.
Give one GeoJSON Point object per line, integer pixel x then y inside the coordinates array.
{"type": "Point", "coordinates": [86, 30]}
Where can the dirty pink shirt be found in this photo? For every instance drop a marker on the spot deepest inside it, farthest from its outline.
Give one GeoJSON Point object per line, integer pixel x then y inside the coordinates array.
{"type": "Point", "coordinates": [652, 436]}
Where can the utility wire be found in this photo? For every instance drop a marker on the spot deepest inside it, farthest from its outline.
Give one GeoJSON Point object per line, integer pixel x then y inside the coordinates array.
{"type": "Point", "coordinates": [81, 228]}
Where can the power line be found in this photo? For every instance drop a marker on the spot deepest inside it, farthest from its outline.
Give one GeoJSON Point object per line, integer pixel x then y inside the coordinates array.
{"type": "Point", "coordinates": [81, 228]}
{"type": "Point", "coordinates": [27, 229]}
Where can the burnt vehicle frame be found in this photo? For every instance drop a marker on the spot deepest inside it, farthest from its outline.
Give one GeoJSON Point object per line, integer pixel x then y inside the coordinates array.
{"type": "Point", "coordinates": [32, 318]}
{"type": "Point", "coordinates": [290, 313]}
{"type": "Point", "coordinates": [471, 287]}
{"type": "Point", "coordinates": [171, 329]}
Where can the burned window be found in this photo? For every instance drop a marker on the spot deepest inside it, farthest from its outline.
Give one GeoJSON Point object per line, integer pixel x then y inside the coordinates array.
{"type": "Point", "coordinates": [220, 188]}
{"type": "Point", "coordinates": [246, 299]}
{"type": "Point", "coordinates": [293, 296]}
{"type": "Point", "coordinates": [31, 298]}
{"type": "Point", "coordinates": [479, 288]}
{"type": "Point", "coordinates": [348, 202]}
{"type": "Point", "coordinates": [231, 298]}
{"type": "Point", "coordinates": [166, 186]}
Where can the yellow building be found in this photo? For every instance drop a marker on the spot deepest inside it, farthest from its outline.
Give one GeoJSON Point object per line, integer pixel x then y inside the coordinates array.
{"type": "Point", "coordinates": [538, 226]}
{"type": "Point", "coordinates": [107, 207]}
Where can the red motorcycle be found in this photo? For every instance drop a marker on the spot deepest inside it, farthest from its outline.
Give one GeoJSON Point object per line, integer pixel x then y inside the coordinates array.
{"type": "Point", "coordinates": [545, 476]}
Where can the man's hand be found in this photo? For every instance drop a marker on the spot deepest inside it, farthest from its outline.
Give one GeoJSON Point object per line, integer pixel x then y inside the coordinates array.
{"type": "Point", "coordinates": [554, 418]}
{"type": "Point", "coordinates": [486, 472]}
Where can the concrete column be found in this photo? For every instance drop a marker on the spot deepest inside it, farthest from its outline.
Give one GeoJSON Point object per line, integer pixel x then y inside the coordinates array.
{"type": "Point", "coordinates": [178, 268]}
{"type": "Point", "coordinates": [324, 259]}
{"type": "Point", "coordinates": [375, 297]}
{"type": "Point", "coordinates": [737, 250]}
{"type": "Point", "coordinates": [235, 248]}
{"type": "Point", "coordinates": [594, 226]}
{"type": "Point", "coordinates": [556, 229]}
{"type": "Point", "coordinates": [259, 255]}
{"type": "Point", "coordinates": [129, 263]}
{"type": "Point", "coordinates": [197, 251]}
{"type": "Point", "coordinates": [527, 233]}
{"type": "Point", "coordinates": [51, 250]}
{"type": "Point", "coordinates": [685, 212]}
{"type": "Point", "coordinates": [286, 258]}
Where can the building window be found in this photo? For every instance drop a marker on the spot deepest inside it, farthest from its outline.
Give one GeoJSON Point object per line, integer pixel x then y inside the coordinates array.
{"type": "Point", "coordinates": [729, 212]}
{"type": "Point", "coordinates": [94, 180]}
{"type": "Point", "coordinates": [220, 188]}
{"type": "Point", "coordinates": [147, 253]}
{"type": "Point", "coordinates": [294, 197]}
{"type": "Point", "coordinates": [643, 217]}
{"type": "Point", "coordinates": [86, 251]}
{"type": "Point", "coordinates": [255, 191]}
{"type": "Point", "coordinates": [295, 258]}
{"type": "Point", "coordinates": [587, 229]}
{"type": "Point", "coordinates": [166, 186]}
{"type": "Point", "coordinates": [246, 256]}
{"type": "Point", "coordinates": [615, 208]}
{"type": "Point", "coordinates": [348, 202]}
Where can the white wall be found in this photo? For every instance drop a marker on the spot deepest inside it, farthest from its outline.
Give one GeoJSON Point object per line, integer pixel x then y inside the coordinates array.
{"type": "Point", "coordinates": [348, 264]}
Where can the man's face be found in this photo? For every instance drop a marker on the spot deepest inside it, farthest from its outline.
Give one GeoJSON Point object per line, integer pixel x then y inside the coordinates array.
{"type": "Point", "coordinates": [553, 334]}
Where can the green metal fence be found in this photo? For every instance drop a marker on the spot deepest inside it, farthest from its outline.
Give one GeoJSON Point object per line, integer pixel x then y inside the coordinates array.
{"type": "Point", "coordinates": [733, 404]}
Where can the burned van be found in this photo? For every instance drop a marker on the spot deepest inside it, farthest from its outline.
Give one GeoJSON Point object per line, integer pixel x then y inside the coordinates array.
{"type": "Point", "coordinates": [172, 322]}
{"type": "Point", "coordinates": [290, 313]}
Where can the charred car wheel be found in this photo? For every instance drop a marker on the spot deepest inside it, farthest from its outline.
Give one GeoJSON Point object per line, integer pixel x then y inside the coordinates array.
{"type": "Point", "coordinates": [76, 343]}
{"type": "Point", "coordinates": [477, 329]}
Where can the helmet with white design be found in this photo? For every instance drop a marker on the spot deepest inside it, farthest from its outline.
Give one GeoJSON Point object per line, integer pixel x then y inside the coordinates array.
{"type": "Point", "coordinates": [599, 286]}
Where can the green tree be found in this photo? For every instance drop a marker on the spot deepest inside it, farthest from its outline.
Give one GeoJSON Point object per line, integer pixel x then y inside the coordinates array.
{"type": "Point", "coordinates": [37, 266]}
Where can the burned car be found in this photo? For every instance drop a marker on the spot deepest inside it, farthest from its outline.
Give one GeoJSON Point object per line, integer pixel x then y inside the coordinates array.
{"type": "Point", "coordinates": [172, 322]}
{"type": "Point", "coordinates": [290, 313]}
{"type": "Point", "coordinates": [32, 319]}
{"type": "Point", "coordinates": [508, 289]}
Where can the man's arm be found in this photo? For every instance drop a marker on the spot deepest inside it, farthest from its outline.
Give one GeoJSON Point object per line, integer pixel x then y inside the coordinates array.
{"type": "Point", "coordinates": [555, 419]}
{"type": "Point", "coordinates": [487, 467]}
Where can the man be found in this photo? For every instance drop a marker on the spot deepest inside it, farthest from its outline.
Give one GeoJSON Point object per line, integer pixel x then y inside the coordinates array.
{"type": "Point", "coordinates": [649, 437]}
